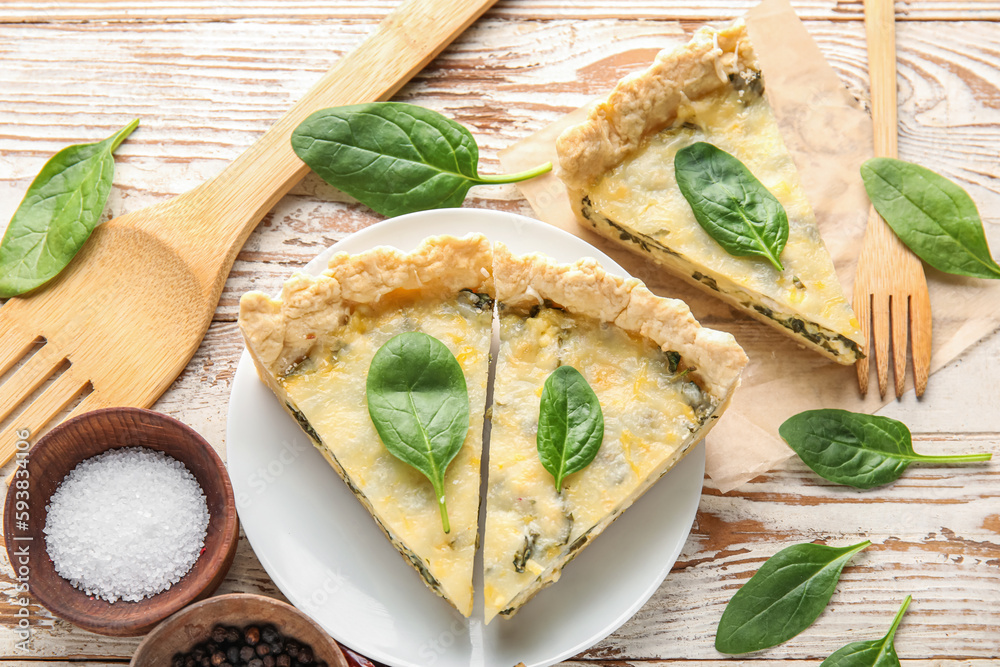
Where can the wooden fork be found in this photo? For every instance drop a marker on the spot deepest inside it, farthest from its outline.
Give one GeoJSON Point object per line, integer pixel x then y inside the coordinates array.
{"type": "Point", "coordinates": [123, 320]}
{"type": "Point", "coordinates": [890, 291]}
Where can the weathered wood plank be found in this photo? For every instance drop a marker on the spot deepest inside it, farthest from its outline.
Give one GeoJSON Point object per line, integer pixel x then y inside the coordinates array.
{"type": "Point", "coordinates": [21, 11]}
{"type": "Point", "coordinates": [191, 81]}
{"type": "Point", "coordinates": [63, 663]}
{"type": "Point", "coordinates": [52, 637]}
{"type": "Point", "coordinates": [930, 540]}
{"type": "Point", "coordinates": [206, 90]}
{"type": "Point", "coordinates": [936, 534]}
{"type": "Point", "coordinates": [593, 663]}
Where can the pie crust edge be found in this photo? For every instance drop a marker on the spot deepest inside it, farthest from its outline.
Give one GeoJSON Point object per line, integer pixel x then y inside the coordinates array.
{"type": "Point", "coordinates": [642, 104]}
{"type": "Point", "coordinates": [587, 289]}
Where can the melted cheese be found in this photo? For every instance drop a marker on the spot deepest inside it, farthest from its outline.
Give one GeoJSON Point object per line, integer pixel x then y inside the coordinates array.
{"type": "Point", "coordinates": [652, 411]}
{"type": "Point", "coordinates": [328, 390]}
{"type": "Point", "coordinates": [640, 204]}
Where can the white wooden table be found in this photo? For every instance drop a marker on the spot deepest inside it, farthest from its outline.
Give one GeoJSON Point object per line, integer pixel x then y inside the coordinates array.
{"type": "Point", "coordinates": [207, 78]}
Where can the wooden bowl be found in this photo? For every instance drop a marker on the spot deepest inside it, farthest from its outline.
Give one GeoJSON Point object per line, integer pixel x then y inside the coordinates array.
{"type": "Point", "coordinates": [183, 630]}
{"type": "Point", "coordinates": [80, 438]}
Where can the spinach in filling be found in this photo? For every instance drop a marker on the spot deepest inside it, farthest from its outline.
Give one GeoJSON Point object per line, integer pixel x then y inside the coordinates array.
{"type": "Point", "coordinates": [814, 333]}
{"type": "Point", "coordinates": [304, 423]}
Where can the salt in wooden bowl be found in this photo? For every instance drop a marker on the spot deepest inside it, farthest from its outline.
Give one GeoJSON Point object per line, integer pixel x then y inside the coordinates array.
{"type": "Point", "coordinates": [78, 439]}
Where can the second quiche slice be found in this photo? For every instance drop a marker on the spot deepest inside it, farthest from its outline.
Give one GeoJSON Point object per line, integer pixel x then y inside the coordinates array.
{"type": "Point", "coordinates": [619, 169]}
{"type": "Point", "coordinates": [662, 381]}
{"type": "Point", "coordinates": [313, 348]}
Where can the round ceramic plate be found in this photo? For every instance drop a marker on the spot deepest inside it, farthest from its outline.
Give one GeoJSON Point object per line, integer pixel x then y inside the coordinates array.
{"type": "Point", "coordinates": [325, 553]}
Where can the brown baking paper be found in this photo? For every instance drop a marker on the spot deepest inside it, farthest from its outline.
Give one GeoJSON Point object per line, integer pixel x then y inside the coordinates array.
{"type": "Point", "coordinates": [828, 134]}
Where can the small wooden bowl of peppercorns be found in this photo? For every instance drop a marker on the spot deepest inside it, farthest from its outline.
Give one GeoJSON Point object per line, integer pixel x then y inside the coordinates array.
{"type": "Point", "coordinates": [239, 630]}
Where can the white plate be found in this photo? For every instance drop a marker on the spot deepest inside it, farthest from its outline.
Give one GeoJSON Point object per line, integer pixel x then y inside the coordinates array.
{"type": "Point", "coordinates": [325, 553]}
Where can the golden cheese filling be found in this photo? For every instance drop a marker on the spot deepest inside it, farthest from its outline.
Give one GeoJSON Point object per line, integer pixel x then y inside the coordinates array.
{"type": "Point", "coordinates": [652, 405]}
{"type": "Point", "coordinates": [639, 203]}
{"type": "Point", "coordinates": [327, 392]}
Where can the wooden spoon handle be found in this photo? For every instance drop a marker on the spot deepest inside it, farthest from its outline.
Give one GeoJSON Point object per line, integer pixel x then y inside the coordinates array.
{"type": "Point", "coordinates": [230, 205]}
{"type": "Point", "coordinates": [880, 28]}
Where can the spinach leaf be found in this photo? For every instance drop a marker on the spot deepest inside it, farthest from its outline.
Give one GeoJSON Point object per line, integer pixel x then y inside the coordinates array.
{"type": "Point", "coordinates": [570, 424]}
{"type": "Point", "coordinates": [61, 208]}
{"type": "Point", "coordinates": [932, 215]}
{"type": "Point", "coordinates": [419, 403]}
{"type": "Point", "coordinates": [395, 158]}
{"type": "Point", "coordinates": [856, 449]}
{"type": "Point", "coordinates": [731, 204]}
{"type": "Point", "coordinates": [876, 653]}
{"type": "Point", "coordinates": [783, 597]}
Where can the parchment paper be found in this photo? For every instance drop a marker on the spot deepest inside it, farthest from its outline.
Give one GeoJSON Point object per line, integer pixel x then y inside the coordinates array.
{"type": "Point", "coordinates": [829, 135]}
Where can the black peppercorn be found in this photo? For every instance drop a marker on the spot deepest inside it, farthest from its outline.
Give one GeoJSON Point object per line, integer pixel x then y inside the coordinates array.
{"type": "Point", "coordinates": [252, 646]}
{"type": "Point", "coordinates": [219, 634]}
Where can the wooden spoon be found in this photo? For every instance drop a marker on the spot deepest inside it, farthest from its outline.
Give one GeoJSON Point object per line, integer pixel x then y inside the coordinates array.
{"type": "Point", "coordinates": [123, 320]}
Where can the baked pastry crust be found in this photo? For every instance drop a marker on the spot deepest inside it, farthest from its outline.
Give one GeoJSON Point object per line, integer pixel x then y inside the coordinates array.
{"type": "Point", "coordinates": [551, 314]}
{"type": "Point", "coordinates": [644, 103]}
{"type": "Point", "coordinates": [281, 331]}
{"type": "Point", "coordinates": [618, 167]}
{"type": "Point", "coordinates": [312, 348]}
{"type": "Point", "coordinates": [584, 288]}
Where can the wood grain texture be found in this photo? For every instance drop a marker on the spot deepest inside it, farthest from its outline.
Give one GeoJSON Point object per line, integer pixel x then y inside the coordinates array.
{"type": "Point", "coordinates": [107, 313]}
{"type": "Point", "coordinates": [22, 11]}
{"type": "Point", "coordinates": [208, 78]}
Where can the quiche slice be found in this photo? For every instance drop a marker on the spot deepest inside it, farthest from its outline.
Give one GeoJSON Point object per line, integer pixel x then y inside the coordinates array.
{"type": "Point", "coordinates": [619, 169]}
{"type": "Point", "coordinates": [313, 347]}
{"type": "Point", "coordinates": [662, 381]}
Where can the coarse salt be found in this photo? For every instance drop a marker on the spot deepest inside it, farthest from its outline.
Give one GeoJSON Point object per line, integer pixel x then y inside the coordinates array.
{"type": "Point", "coordinates": [126, 524]}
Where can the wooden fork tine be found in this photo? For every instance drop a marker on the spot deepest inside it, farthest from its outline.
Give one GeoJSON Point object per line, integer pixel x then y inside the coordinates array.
{"type": "Point", "coordinates": [880, 346]}
{"type": "Point", "coordinates": [90, 402]}
{"type": "Point", "coordinates": [900, 312]}
{"type": "Point", "coordinates": [40, 412]}
{"type": "Point", "coordinates": [14, 344]}
{"type": "Point", "coordinates": [863, 309]}
{"type": "Point", "coordinates": [920, 333]}
{"type": "Point", "coordinates": [29, 377]}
